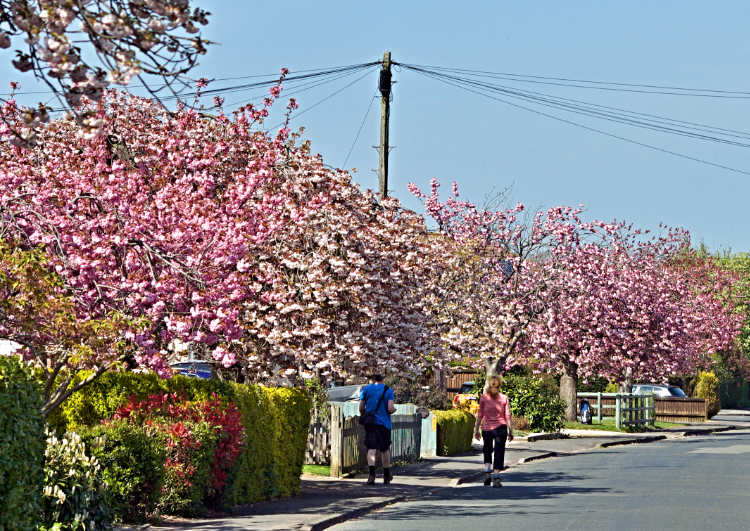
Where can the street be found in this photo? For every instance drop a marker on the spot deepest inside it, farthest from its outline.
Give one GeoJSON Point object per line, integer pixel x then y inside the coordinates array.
{"type": "Point", "coordinates": [694, 483]}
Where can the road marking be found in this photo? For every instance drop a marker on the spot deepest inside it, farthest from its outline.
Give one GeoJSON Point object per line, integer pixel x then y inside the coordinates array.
{"type": "Point", "coordinates": [734, 450]}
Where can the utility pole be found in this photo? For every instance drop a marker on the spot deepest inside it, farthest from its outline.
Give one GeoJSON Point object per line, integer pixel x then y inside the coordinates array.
{"type": "Point", "coordinates": [385, 110]}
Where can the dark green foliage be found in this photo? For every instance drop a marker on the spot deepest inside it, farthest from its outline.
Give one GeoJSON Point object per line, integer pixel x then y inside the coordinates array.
{"type": "Point", "coordinates": [594, 385]}
{"type": "Point", "coordinates": [408, 391]}
{"type": "Point", "coordinates": [535, 399]}
{"type": "Point", "coordinates": [276, 423]}
{"type": "Point", "coordinates": [455, 430]}
{"type": "Point", "coordinates": [133, 461]}
{"type": "Point", "coordinates": [22, 445]}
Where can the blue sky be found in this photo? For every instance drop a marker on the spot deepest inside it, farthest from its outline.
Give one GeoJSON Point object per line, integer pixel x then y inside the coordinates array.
{"type": "Point", "coordinates": [443, 132]}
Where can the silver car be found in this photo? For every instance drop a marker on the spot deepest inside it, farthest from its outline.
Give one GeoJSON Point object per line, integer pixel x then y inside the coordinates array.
{"type": "Point", "coordinates": [668, 391]}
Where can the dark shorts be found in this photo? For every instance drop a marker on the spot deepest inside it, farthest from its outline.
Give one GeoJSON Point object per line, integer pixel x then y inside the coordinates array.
{"type": "Point", "coordinates": [377, 438]}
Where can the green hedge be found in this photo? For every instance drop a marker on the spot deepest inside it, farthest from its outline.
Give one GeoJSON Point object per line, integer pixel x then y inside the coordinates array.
{"type": "Point", "coordinates": [22, 446]}
{"type": "Point", "coordinates": [276, 422]}
{"type": "Point", "coordinates": [455, 430]}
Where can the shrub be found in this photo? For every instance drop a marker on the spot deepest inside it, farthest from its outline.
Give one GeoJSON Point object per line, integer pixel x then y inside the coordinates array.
{"type": "Point", "coordinates": [202, 441]}
{"type": "Point", "coordinates": [535, 399]}
{"type": "Point", "coordinates": [133, 461]}
{"type": "Point", "coordinates": [708, 388]}
{"type": "Point", "coordinates": [22, 444]}
{"type": "Point", "coordinates": [275, 422]}
{"type": "Point", "coordinates": [73, 487]}
{"type": "Point", "coordinates": [455, 431]}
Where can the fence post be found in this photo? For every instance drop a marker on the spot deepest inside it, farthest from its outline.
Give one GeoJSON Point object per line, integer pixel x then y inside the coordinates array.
{"type": "Point", "coordinates": [337, 435]}
{"type": "Point", "coordinates": [598, 408]}
{"type": "Point", "coordinates": [618, 422]}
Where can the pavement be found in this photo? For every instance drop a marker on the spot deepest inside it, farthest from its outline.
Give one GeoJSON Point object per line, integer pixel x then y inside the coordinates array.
{"type": "Point", "coordinates": [325, 502]}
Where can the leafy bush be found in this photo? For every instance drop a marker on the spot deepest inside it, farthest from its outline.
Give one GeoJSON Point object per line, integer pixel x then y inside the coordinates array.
{"type": "Point", "coordinates": [708, 387]}
{"type": "Point", "coordinates": [408, 391]}
{"type": "Point", "coordinates": [275, 422]}
{"type": "Point", "coordinates": [455, 430]}
{"type": "Point", "coordinates": [22, 444]}
{"type": "Point", "coordinates": [536, 400]}
{"type": "Point", "coordinates": [132, 458]}
{"type": "Point", "coordinates": [73, 487]}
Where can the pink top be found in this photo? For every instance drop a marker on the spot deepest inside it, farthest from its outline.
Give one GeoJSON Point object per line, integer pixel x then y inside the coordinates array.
{"type": "Point", "coordinates": [494, 411]}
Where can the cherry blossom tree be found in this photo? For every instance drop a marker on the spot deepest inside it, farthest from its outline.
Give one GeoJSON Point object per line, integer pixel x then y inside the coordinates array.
{"type": "Point", "coordinates": [630, 309]}
{"type": "Point", "coordinates": [125, 38]}
{"type": "Point", "coordinates": [350, 274]}
{"type": "Point", "coordinates": [501, 271]}
{"type": "Point", "coordinates": [159, 222]}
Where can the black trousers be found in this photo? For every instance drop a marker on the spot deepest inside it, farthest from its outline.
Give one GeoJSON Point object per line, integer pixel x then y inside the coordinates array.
{"type": "Point", "coordinates": [496, 438]}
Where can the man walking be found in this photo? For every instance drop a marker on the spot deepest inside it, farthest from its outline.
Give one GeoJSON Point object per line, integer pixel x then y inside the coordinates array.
{"type": "Point", "coordinates": [378, 399]}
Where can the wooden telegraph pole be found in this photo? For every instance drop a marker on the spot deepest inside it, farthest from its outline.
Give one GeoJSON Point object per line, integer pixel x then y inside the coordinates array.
{"type": "Point", "coordinates": [385, 109]}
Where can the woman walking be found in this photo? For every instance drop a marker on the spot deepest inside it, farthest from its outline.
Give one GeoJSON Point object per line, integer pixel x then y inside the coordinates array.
{"type": "Point", "coordinates": [495, 421]}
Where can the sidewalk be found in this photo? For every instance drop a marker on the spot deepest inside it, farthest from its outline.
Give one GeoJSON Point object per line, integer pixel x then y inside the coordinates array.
{"type": "Point", "coordinates": [324, 501]}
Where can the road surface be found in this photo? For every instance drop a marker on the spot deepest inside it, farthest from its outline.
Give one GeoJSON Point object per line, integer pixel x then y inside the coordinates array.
{"type": "Point", "coordinates": [695, 483]}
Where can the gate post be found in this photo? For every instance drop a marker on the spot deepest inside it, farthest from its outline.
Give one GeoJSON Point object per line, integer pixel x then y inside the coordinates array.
{"type": "Point", "coordinates": [337, 434]}
{"type": "Point", "coordinates": [618, 421]}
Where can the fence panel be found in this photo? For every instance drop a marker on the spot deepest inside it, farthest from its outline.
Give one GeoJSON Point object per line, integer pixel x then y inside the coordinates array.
{"type": "Point", "coordinates": [627, 410]}
{"type": "Point", "coordinates": [318, 440]}
{"type": "Point", "coordinates": [453, 383]}
{"type": "Point", "coordinates": [405, 442]}
{"type": "Point", "coordinates": [681, 409]}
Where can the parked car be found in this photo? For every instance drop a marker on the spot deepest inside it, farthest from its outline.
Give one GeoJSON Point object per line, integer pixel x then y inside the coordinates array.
{"type": "Point", "coordinates": [193, 369]}
{"type": "Point", "coordinates": [345, 393]}
{"type": "Point", "coordinates": [660, 390]}
{"type": "Point", "coordinates": [466, 399]}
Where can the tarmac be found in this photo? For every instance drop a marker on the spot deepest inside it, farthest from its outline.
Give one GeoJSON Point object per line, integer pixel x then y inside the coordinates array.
{"type": "Point", "coordinates": [324, 502]}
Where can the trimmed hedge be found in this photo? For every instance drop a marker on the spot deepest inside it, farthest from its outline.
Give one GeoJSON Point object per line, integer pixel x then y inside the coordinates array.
{"type": "Point", "coordinates": [22, 446]}
{"type": "Point", "coordinates": [455, 430]}
{"type": "Point", "coordinates": [276, 422]}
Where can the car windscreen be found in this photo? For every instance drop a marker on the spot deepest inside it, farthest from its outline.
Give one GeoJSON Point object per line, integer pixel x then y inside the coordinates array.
{"type": "Point", "coordinates": [676, 391]}
{"type": "Point", "coordinates": [466, 388]}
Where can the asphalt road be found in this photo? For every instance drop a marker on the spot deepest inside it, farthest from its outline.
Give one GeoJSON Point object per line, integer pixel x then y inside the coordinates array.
{"type": "Point", "coordinates": [695, 483]}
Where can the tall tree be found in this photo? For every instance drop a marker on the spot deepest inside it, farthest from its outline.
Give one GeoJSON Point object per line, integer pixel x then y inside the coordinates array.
{"type": "Point", "coordinates": [80, 47]}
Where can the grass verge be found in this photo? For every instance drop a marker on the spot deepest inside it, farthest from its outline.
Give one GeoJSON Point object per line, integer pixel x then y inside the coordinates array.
{"type": "Point", "coordinates": [609, 425]}
{"type": "Point", "coordinates": [317, 470]}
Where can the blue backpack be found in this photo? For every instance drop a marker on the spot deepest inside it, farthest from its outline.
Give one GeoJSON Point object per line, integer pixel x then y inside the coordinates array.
{"type": "Point", "coordinates": [586, 416]}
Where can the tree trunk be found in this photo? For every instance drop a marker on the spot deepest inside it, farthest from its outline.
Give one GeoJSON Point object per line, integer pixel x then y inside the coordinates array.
{"type": "Point", "coordinates": [626, 385]}
{"type": "Point", "coordinates": [569, 388]}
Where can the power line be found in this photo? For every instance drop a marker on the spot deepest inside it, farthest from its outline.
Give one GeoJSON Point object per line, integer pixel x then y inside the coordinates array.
{"type": "Point", "coordinates": [600, 85]}
{"type": "Point", "coordinates": [593, 129]}
{"type": "Point", "coordinates": [360, 129]}
{"type": "Point", "coordinates": [641, 120]}
{"type": "Point", "coordinates": [326, 98]}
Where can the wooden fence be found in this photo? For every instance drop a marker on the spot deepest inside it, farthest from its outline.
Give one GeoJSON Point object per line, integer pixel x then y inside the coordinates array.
{"type": "Point", "coordinates": [319, 440]}
{"type": "Point", "coordinates": [675, 409]}
{"type": "Point", "coordinates": [453, 380]}
{"type": "Point", "coordinates": [348, 452]}
{"type": "Point", "coordinates": [667, 409]}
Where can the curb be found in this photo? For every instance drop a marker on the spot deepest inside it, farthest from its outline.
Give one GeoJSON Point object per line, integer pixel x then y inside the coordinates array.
{"type": "Point", "coordinates": [543, 437]}
{"type": "Point", "coordinates": [638, 440]}
{"type": "Point", "coordinates": [330, 521]}
{"type": "Point", "coordinates": [707, 431]}
{"type": "Point", "coordinates": [545, 455]}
